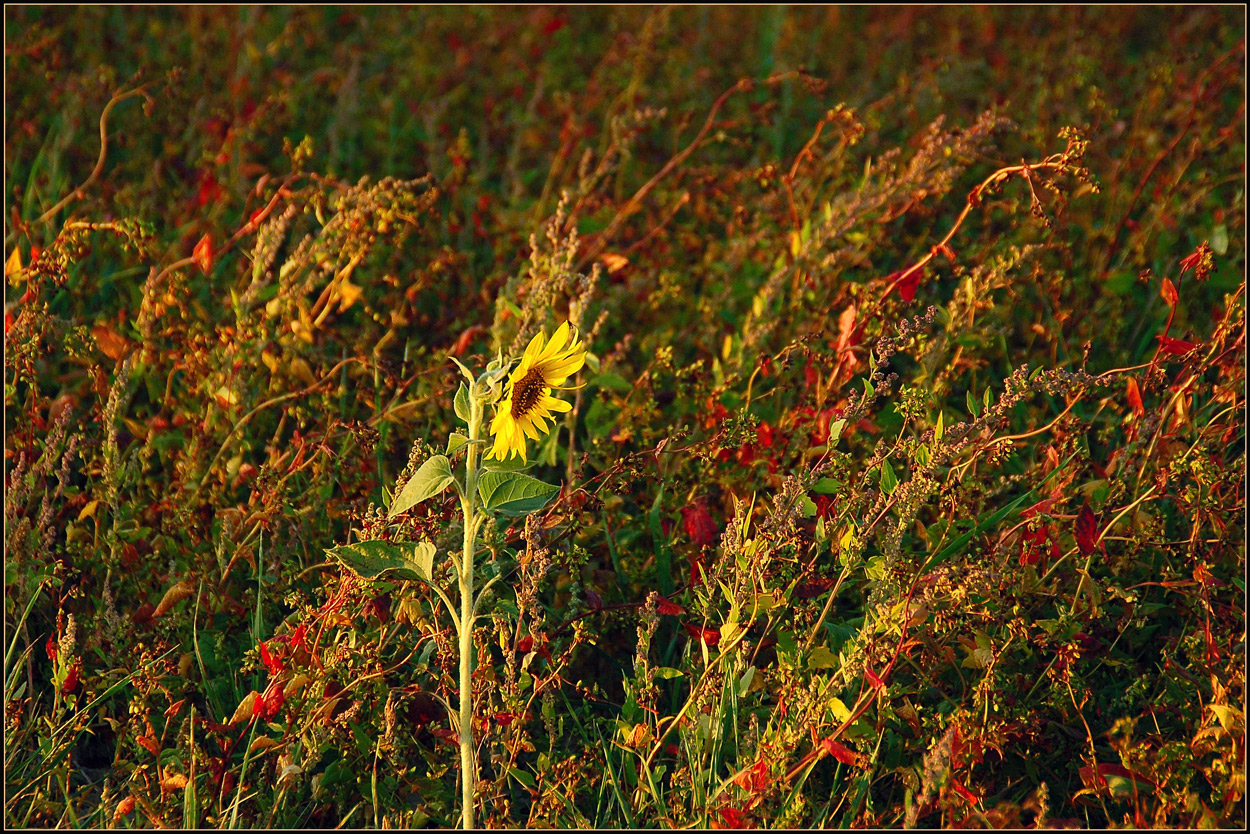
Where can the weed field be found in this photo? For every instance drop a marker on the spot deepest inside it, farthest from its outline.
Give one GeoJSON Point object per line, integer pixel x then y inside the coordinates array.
{"type": "Point", "coordinates": [639, 417]}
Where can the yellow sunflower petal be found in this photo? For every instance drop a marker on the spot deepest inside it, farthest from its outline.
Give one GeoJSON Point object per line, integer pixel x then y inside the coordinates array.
{"type": "Point", "coordinates": [557, 341]}
{"type": "Point", "coordinates": [550, 403]}
{"type": "Point", "coordinates": [534, 349]}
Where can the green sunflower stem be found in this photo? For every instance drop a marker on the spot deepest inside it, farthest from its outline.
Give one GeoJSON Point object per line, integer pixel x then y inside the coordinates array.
{"type": "Point", "coordinates": [468, 503]}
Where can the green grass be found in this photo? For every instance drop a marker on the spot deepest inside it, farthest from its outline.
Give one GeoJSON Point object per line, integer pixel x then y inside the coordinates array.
{"type": "Point", "coordinates": [1005, 590]}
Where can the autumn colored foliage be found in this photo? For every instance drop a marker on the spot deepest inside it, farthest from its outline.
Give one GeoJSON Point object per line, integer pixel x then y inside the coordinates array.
{"type": "Point", "coordinates": [903, 482]}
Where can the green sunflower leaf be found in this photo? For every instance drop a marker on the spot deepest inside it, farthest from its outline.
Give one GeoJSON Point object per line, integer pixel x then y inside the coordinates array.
{"type": "Point", "coordinates": [462, 402]}
{"type": "Point", "coordinates": [433, 477]}
{"type": "Point", "coordinates": [455, 441]}
{"type": "Point", "coordinates": [401, 560]}
{"type": "Point", "coordinates": [513, 494]}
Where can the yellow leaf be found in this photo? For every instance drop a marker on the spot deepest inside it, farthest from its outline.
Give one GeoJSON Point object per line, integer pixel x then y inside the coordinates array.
{"type": "Point", "coordinates": [13, 265]}
{"type": "Point", "coordinates": [614, 263]}
{"type": "Point", "coordinates": [822, 658]}
{"type": "Point", "coordinates": [174, 782]}
{"type": "Point", "coordinates": [226, 398]}
{"type": "Point", "coordinates": [302, 372]}
{"type": "Point", "coordinates": [246, 707]}
{"type": "Point", "coordinates": [348, 294]}
{"type": "Point", "coordinates": [114, 345]}
{"type": "Point", "coordinates": [263, 743]}
{"type": "Point", "coordinates": [1230, 718]}
{"type": "Point", "coordinates": [173, 596]}
{"type": "Point", "coordinates": [294, 686]}
{"type": "Point", "coordinates": [88, 510]}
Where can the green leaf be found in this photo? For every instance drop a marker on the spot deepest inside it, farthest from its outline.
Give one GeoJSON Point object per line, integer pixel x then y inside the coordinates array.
{"type": "Point", "coordinates": [455, 441]}
{"type": "Point", "coordinates": [462, 403]}
{"type": "Point", "coordinates": [888, 479]}
{"type": "Point", "coordinates": [974, 408]}
{"type": "Point", "coordinates": [522, 777]}
{"type": "Point", "coordinates": [835, 431]}
{"type": "Point", "coordinates": [826, 486]}
{"type": "Point", "coordinates": [869, 390]}
{"type": "Point", "coordinates": [1219, 239]}
{"type": "Point", "coordinates": [940, 429]}
{"type": "Point", "coordinates": [821, 658]}
{"type": "Point", "coordinates": [808, 507]}
{"type": "Point", "coordinates": [373, 560]}
{"type": "Point", "coordinates": [463, 370]}
{"type": "Point", "coordinates": [512, 493]}
{"type": "Point", "coordinates": [744, 682]}
{"type": "Point", "coordinates": [923, 456]}
{"type": "Point", "coordinates": [667, 672]}
{"type": "Point", "coordinates": [433, 477]}
{"type": "Point", "coordinates": [989, 395]}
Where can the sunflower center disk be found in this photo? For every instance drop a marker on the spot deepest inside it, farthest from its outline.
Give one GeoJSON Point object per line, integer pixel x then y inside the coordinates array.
{"type": "Point", "coordinates": [526, 392]}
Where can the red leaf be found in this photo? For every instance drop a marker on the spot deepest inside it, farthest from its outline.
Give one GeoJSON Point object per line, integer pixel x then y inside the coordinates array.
{"type": "Point", "coordinates": [1168, 292]}
{"type": "Point", "coordinates": [526, 644]}
{"type": "Point", "coordinates": [209, 191]}
{"type": "Point", "coordinates": [268, 704]}
{"type": "Point", "coordinates": [1086, 531]}
{"type": "Point", "coordinates": [71, 679]}
{"type": "Point", "coordinates": [909, 283]}
{"type": "Point", "coordinates": [875, 681]}
{"type": "Point", "coordinates": [1134, 397]}
{"type": "Point", "coordinates": [958, 787]}
{"type": "Point", "coordinates": [466, 338]}
{"type": "Point", "coordinates": [1042, 507]}
{"type": "Point", "coordinates": [699, 525]}
{"type": "Point", "coordinates": [731, 818]}
{"type": "Point", "coordinates": [446, 734]}
{"type": "Point", "coordinates": [669, 608]}
{"type": "Point", "coordinates": [847, 338]}
{"type": "Point", "coordinates": [711, 636]}
{"type": "Point", "coordinates": [840, 752]}
{"type": "Point", "coordinates": [203, 254]}
{"type": "Point", "coordinates": [273, 664]}
{"type": "Point", "coordinates": [815, 588]}
{"type": "Point", "coordinates": [1176, 347]}
{"type": "Point", "coordinates": [503, 719]}
{"type": "Point", "coordinates": [754, 778]}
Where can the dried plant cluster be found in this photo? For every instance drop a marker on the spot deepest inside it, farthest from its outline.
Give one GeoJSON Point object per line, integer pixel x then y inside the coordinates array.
{"type": "Point", "coordinates": [903, 483]}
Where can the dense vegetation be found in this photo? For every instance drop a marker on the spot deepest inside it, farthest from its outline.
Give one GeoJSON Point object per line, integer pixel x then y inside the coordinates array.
{"type": "Point", "coordinates": [905, 481]}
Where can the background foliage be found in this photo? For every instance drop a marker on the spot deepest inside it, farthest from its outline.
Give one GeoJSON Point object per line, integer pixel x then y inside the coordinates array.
{"type": "Point", "coordinates": [841, 542]}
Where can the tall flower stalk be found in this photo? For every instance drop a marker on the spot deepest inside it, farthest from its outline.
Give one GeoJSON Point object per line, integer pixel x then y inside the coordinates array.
{"type": "Point", "coordinates": [523, 405]}
{"type": "Point", "coordinates": [472, 519]}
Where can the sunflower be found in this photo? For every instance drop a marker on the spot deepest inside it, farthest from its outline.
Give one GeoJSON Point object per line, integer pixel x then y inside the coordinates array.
{"type": "Point", "coordinates": [527, 404]}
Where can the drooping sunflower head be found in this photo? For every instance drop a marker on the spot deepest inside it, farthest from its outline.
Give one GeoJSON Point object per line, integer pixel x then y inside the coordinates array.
{"type": "Point", "coordinates": [527, 403]}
